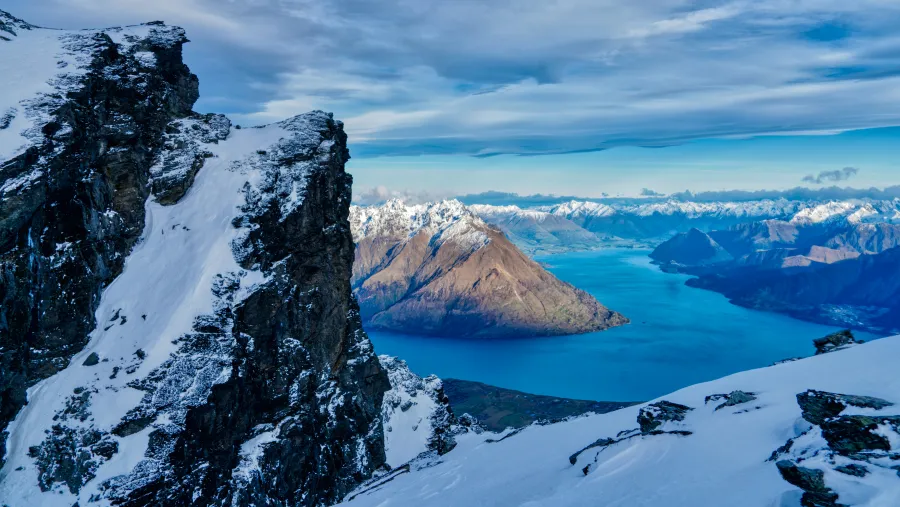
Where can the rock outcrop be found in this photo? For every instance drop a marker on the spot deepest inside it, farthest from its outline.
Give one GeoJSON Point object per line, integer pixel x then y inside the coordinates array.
{"type": "Point", "coordinates": [417, 415]}
{"type": "Point", "coordinates": [835, 341]}
{"type": "Point", "coordinates": [852, 445]}
{"type": "Point", "coordinates": [438, 269]}
{"type": "Point", "coordinates": [176, 292]}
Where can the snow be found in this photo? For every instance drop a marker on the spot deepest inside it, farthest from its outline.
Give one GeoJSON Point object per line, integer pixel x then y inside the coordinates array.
{"type": "Point", "coordinates": [723, 462]}
{"type": "Point", "coordinates": [29, 63]}
{"type": "Point", "coordinates": [443, 221]}
{"type": "Point", "coordinates": [407, 411]}
{"type": "Point", "coordinates": [165, 285]}
{"type": "Point", "coordinates": [252, 450]}
{"type": "Point", "coordinates": [490, 212]}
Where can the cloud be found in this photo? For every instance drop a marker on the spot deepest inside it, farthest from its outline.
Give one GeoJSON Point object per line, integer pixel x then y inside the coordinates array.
{"type": "Point", "coordinates": [381, 194]}
{"type": "Point", "coordinates": [646, 192]}
{"type": "Point", "coordinates": [831, 176]}
{"type": "Point", "coordinates": [431, 76]}
{"type": "Point", "coordinates": [793, 194]}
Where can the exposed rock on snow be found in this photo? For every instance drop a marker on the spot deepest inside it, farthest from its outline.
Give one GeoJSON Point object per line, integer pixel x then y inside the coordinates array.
{"type": "Point", "coordinates": [835, 341]}
{"type": "Point", "coordinates": [850, 445]}
{"type": "Point", "coordinates": [731, 399]}
{"type": "Point", "coordinates": [654, 416]}
{"type": "Point", "coordinates": [439, 269]}
{"type": "Point", "coordinates": [183, 154]}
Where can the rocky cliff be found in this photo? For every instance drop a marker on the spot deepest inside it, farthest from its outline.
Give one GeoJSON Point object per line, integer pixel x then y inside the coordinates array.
{"type": "Point", "coordinates": [80, 135]}
{"type": "Point", "coordinates": [176, 295]}
{"type": "Point", "coordinates": [439, 269]}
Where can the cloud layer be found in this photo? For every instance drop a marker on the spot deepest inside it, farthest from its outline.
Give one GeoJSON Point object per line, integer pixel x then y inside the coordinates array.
{"type": "Point", "coordinates": [831, 176]}
{"type": "Point", "coordinates": [492, 76]}
{"type": "Point", "coordinates": [381, 194]}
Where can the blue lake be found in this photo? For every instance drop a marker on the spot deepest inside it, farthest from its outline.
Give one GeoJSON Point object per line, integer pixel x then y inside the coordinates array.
{"type": "Point", "coordinates": [678, 336]}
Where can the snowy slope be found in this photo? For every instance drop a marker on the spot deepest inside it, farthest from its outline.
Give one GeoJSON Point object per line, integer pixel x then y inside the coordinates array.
{"type": "Point", "coordinates": [187, 252]}
{"type": "Point", "coordinates": [413, 411]}
{"type": "Point", "coordinates": [713, 457]}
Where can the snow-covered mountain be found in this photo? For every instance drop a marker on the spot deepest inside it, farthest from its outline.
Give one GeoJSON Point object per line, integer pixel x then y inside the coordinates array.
{"type": "Point", "coordinates": [440, 269]}
{"type": "Point", "coordinates": [176, 304]}
{"type": "Point", "coordinates": [832, 263]}
{"type": "Point", "coordinates": [822, 431]}
{"type": "Point", "coordinates": [536, 231]}
{"type": "Point", "coordinates": [577, 225]}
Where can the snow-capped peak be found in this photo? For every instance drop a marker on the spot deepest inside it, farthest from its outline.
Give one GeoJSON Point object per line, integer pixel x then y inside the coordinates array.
{"type": "Point", "coordinates": [443, 220]}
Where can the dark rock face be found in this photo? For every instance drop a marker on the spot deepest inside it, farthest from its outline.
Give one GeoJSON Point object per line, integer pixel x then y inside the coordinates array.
{"type": "Point", "coordinates": [65, 236]}
{"type": "Point", "coordinates": [183, 154]}
{"type": "Point", "coordinates": [812, 482]}
{"type": "Point", "coordinates": [304, 380]}
{"type": "Point", "coordinates": [651, 417]}
{"type": "Point", "coordinates": [835, 341]}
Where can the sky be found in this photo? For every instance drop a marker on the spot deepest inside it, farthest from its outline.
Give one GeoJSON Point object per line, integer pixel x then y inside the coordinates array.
{"type": "Point", "coordinates": [580, 97]}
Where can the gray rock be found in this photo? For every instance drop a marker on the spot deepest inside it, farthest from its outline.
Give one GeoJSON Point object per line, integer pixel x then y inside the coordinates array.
{"type": "Point", "coordinates": [835, 341]}
{"type": "Point", "coordinates": [731, 399]}
{"type": "Point", "coordinates": [818, 406]}
{"type": "Point", "coordinates": [651, 417]}
{"type": "Point", "coordinates": [811, 481]}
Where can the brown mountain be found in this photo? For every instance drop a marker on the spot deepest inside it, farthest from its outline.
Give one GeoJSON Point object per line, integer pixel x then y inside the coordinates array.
{"type": "Point", "coordinates": [438, 269]}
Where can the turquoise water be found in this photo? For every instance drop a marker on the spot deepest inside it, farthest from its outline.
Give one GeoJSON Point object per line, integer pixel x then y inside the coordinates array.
{"type": "Point", "coordinates": [678, 336]}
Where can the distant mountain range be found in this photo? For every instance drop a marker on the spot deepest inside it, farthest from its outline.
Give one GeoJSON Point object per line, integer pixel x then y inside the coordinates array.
{"type": "Point", "coordinates": [837, 263]}
{"type": "Point", "coordinates": [439, 269]}
{"type": "Point", "coordinates": [579, 225]}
